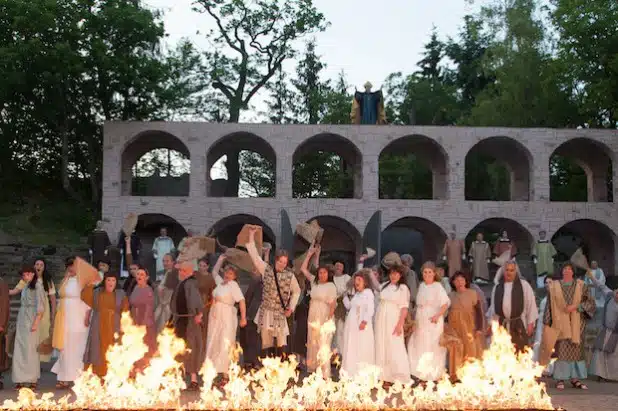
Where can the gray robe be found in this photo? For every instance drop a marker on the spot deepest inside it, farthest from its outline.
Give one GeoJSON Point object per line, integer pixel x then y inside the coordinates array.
{"type": "Point", "coordinates": [479, 254]}
{"type": "Point", "coordinates": [186, 303]}
{"type": "Point", "coordinates": [605, 357]}
{"type": "Point", "coordinates": [26, 363]}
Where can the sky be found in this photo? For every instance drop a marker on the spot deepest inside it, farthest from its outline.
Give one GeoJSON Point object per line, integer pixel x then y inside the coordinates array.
{"type": "Point", "coordinates": [368, 39]}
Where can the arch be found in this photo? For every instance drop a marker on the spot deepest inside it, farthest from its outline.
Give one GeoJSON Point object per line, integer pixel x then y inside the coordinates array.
{"type": "Point", "coordinates": [226, 229]}
{"type": "Point", "coordinates": [150, 141]}
{"type": "Point", "coordinates": [147, 229]}
{"type": "Point", "coordinates": [408, 161]}
{"type": "Point", "coordinates": [580, 169]}
{"type": "Point", "coordinates": [421, 238]}
{"type": "Point", "coordinates": [495, 151]}
{"type": "Point", "coordinates": [597, 240]}
{"type": "Point", "coordinates": [345, 178]}
{"type": "Point", "coordinates": [251, 166]}
{"type": "Point", "coordinates": [341, 241]}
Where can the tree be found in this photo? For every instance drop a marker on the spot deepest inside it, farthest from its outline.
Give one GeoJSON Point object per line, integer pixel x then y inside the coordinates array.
{"type": "Point", "coordinates": [310, 89]}
{"type": "Point", "coordinates": [67, 66]}
{"type": "Point", "coordinates": [337, 102]}
{"type": "Point", "coordinates": [250, 43]}
{"type": "Point", "coordinates": [588, 52]}
{"type": "Point", "coordinates": [282, 99]}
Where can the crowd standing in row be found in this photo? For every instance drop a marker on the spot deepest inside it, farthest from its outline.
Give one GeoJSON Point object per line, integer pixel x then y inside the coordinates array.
{"type": "Point", "coordinates": [383, 316]}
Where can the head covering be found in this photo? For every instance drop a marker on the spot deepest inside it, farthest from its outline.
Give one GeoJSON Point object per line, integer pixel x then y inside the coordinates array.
{"type": "Point", "coordinates": [500, 272]}
{"type": "Point", "coordinates": [407, 260]}
{"type": "Point", "coordinates": [391, 259]}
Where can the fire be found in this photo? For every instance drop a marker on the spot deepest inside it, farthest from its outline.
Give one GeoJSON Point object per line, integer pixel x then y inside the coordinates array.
{"type": "Point", "coordinates": [499, 380]}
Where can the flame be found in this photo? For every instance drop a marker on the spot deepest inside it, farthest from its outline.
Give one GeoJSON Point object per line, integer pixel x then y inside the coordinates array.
{"type": "Point", "coordinates": [501, 379]}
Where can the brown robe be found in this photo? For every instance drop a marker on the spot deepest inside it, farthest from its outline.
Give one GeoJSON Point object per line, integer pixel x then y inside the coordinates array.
{"type": "Point", "coordinates": [465, 318]}
{"type": "Point", "coordinates": [186, 303]}
{"type": "Point", "coordinates": [5, 311]}
{"type": "Point", "coordinates": [453, 251]}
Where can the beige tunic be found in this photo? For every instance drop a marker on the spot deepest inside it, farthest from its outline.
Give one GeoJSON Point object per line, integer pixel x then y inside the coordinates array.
{"type": "Point", "coordinates": [453, 251]}
{"type": "Point", "coordinates": [479, 254]}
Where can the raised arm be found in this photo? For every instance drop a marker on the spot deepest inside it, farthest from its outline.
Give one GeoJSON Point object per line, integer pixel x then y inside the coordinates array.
{"type": "Point", "coordinates": [304, 268]}
{"type": "Point", "coordinates": [600, 284]}
{"type": "Point", "coordinates": [258, 263]}
{"type": "Point", "coordinates": [216, 270]}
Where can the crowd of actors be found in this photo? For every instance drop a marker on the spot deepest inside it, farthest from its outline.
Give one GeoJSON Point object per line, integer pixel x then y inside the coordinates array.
{"type": "Point", "coordinates": [413, 328]}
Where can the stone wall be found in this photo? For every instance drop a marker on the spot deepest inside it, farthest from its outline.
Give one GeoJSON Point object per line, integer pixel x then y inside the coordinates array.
{"type": "Point", "coordinates": [13, 256]}
{"type": "Point", "coordinates": [525, 152]}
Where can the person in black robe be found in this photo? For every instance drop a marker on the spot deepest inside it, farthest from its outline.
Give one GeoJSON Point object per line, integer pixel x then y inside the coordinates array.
{"type": "Point", "coordinates": [98, 242]}
{"type": "Point", "coordinates": [136, 247]}
{"type": "Point", "coordinates": [250, 340]}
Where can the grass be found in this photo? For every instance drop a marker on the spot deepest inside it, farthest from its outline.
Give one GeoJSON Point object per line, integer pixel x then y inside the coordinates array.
{"type": "Point", "coordinates": [45, 222]}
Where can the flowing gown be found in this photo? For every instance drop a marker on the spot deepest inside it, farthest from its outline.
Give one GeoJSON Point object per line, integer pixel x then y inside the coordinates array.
{"type": "Point", "coordinates": [358, 345]}
{"type": "Point", "coordinates": [45, 324]}
{"type": "Point", "coordinates": [72, 313]}
{"type": "Point", "coordinates": [427, 356]}
{"type": "Point", "coordinates": [222, 324]}
{"type": "Point", "coordinates": [26, 360]}
{"type": "Point", "coordinates": [322, 296]}
{"type": "Point", "coordinates": [391, 355]}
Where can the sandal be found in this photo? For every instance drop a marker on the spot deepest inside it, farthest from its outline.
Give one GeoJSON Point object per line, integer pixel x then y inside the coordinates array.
{"type": "Point", "coordinates": [578, 385]}
{"type": "Point", "coordinates": [560, 385]}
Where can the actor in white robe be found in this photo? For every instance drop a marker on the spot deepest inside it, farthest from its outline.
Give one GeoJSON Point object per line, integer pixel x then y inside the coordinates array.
{"type": "Point", "coordinates": [162, 245]}
{"type": "Point", "coordinates": [391, 354]}
{"type": "Point", "coordinates": [223, 320]}
{"type": "Point", "coordinates": [358, 344]}
{"type": "Point", "coordinates": [427, 357]}
{"type": "Point", "coordinates": [70, 321]}
{"type": "Point", "coordinates": [519, 326]}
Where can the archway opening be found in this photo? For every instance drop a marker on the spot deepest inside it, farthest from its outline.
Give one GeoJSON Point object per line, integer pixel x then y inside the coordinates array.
{"type": "Point", "coordinates": [498, 169]}
{"type": "Point", "coordinates": [341, 242]}
{"type": "Point", "coordinates": [419, 237]}
{"type": "Point", "coordinates": [581, 170]}
{"type": "Point", "coordinates": [148, 228]}
{"type": "Point", "coordinates": [517, 233]}
{"type": "Point", "coordinates": [155, 163]}
{"type": "Point", "coordinates": [597, 241]}
{"type": "Point", "coordinates": [327, 166]}
{"type": "Point", "coordinates": [241, 165]}
{"type": "Point", "coordinates": [226, 230]}
{"type": "Point", "coordinates": [413, 168]}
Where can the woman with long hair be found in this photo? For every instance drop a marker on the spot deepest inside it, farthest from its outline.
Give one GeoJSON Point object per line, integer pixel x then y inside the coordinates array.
{"type": "Point", "coordinates": [321, 309]}
{"type": "Point", "coordinates": [107, 303]}
{"type": "Point", "coordinates": [44, 276]}
{"type": "Point", "coordinates": [26, 369]}
{"type": "Point", "coordinates": [427, 357]}
{"type": "Point", "coordinates": [70, 331]}
{"type": "Point", "coordinates": [358, 341]}
{"type": "Point", "coordinates": [391, 354]}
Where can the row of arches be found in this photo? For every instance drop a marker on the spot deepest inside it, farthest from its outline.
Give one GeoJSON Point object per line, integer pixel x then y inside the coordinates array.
{"type": "Point", "coordinates": [418, 236]}
{"type": "Point", "coordinates": [330, 166]}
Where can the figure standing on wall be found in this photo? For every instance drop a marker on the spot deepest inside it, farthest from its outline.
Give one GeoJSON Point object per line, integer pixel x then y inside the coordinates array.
{"type": "Point", "coordinates": [479, 255]}
{"type": "Point", "coordinates": [543, 253]}
{"type": "Point", "coordinates": [505, 244]}
{"type": "Point", "coordinates": [98, 241]}
{"type": "Point", "coordinates": [162, 245]}
{"type": "Point", "coordinates": [454, 252]}
{"type": "Point", "coordinates": [368, 107]}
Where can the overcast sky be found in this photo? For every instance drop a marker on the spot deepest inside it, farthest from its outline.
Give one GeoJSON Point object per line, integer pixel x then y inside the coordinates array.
{"type": "Point", "coordinates": [368, 39]}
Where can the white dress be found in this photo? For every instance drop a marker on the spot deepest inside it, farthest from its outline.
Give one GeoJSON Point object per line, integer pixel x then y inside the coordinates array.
{"type": "Point", "coordinates": [358, 346]}
{"type": "Point", "coordinates": [538, 337]}
{"type": "Point", "coordinates": [341, 282]}
{"type": "Point", "coordinates": [222, 324]}
{"type": "Point", "coordinates": [71, 359]}
{"type": "Point", "coordinates": [391, 355]}
{"type": "Point", "coordinates": [427, 357]}
{"type": "Point", "coordinates": [160, 247]}
{"type": "Point", "coordinates": [322, 296]}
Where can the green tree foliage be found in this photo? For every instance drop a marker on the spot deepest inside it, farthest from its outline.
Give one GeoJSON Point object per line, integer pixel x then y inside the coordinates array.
{"type": "Point", "coordinates": [65, 67]}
